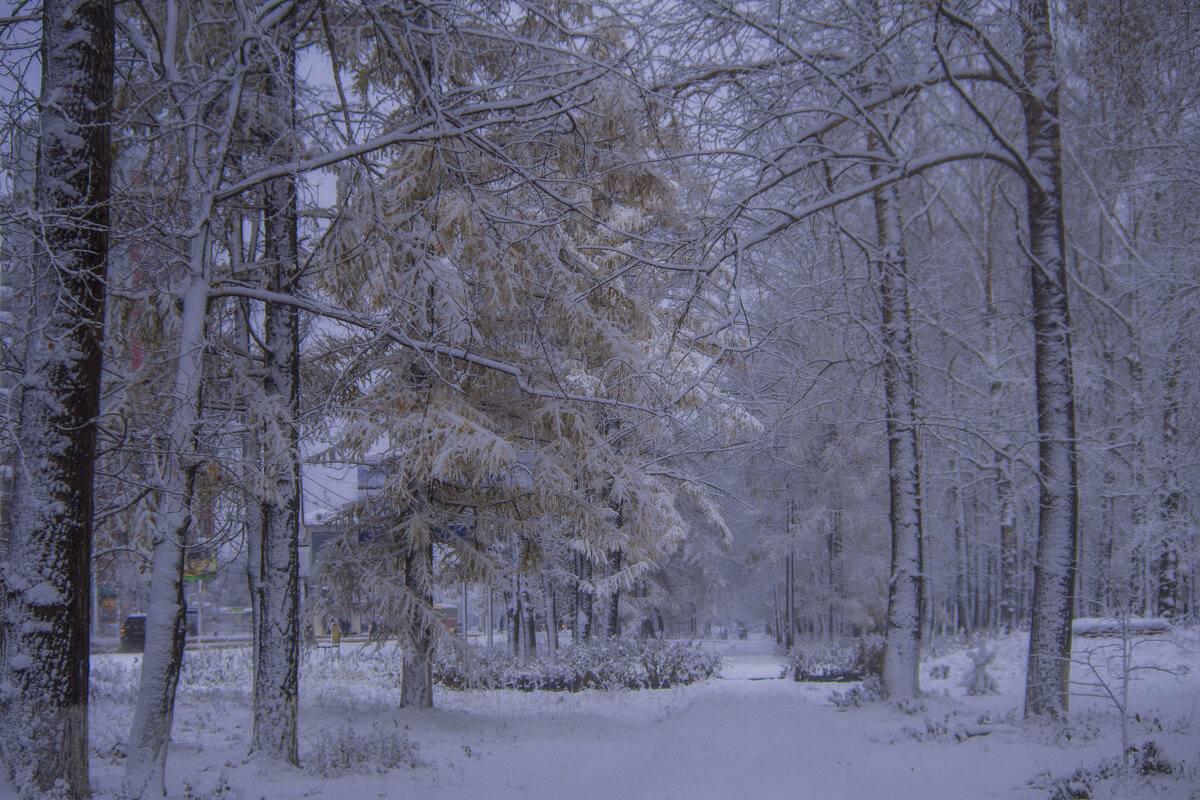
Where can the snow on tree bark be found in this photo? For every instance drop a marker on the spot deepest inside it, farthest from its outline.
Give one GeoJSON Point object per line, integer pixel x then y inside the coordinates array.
{"type": "Point", "coordinates": [551, 616]}
{"type": "Point", "coordinates": [277, 624]}
{"type": "Point", "coordinates": [416, 678]}
{"type": "Point", "coordinates": [612, 622]}
{"type": "Point", "coordinates": [145, 763]}
{"type": "Point", "coordinates": [46, 579]}
{"type": "Point", "coordinates": [1006, 500]}
{"type": "Point", "coordinates": [585, 596]}
{"type": "Point", "coordinates": [1172, 494]}
{"type": "Point", "coordinates": [903, 639]}
{"type": "Point", "coordinates": [150, 734]}
{"type": "Point", "coordinates": [151, 730]}
{"type": "Point", "coordinates": [1047, 678]}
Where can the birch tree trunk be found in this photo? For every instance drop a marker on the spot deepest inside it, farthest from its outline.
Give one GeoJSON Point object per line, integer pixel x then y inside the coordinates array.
{"type": "Point", "coordinates": [1047, 678]}
{"type": "Point", "coordinates": [903, 646]}
{"type": "Point", "coordinates": [46, 579]}
{"type": "Point", "coordinates": [276, 635]}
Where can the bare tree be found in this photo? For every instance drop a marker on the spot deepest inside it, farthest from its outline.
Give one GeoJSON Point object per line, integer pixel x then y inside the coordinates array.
{"type": "Point", "coordinates": [277, 582]}
{"type": "Point", "coordinates": [1047, 685]}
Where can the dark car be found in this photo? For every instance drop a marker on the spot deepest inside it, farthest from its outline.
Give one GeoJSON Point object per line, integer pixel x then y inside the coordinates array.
{"type": "Point", "coordinates": [133, 634]}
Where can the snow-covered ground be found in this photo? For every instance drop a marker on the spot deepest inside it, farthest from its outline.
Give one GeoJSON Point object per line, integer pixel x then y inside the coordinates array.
{"type": "Point", "coordinates": [744, 735]}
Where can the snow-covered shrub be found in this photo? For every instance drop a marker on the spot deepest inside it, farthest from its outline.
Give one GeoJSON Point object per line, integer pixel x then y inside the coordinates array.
{"type": "Point", "coordinates": [871, 690]}
{"type": "Point", "coordinates": [978, 680]}
{"type": "Point", "coordinates": [222, 789]}
{"type": "Point", "coordinates": [1145, 766]}
{"type": "Point", "coordinates": [831, 662]}
{"type": "Point", "coordinates": [109, 679]}
{"type": "Point", "coordinates": [344, 750]}
{"type": "Point", "coordinates": [605, 665]}
{"type": "Point", "coordinates": [216, 667]}
{"type": "Point", "coordinates": [676, 663]}
{"type": "Point", "coordinates": [939, 672]}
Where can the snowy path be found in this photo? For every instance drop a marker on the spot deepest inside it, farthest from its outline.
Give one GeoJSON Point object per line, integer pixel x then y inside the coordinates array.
{"type": "Point", "coordinates": [746, 735]}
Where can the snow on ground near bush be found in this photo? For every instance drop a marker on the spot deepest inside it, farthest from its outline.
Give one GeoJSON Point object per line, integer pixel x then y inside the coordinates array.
{"type": "Point", "coordinates": [745, 735]}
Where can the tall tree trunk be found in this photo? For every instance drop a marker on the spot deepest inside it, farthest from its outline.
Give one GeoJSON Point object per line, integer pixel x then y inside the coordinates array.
{"type": "Point", "coordinates": [903, 639]}
{"type": "Point", "coordinates": [1006, 499]}
{"type": "Point", "coordinates": [1172, 503]}
{"type": "Point", "coordinates": [551, 617]}
{"type": "Point", "coordinates": [612, 624]}
{"type": "Point", "coordinates": [1047, 684]}
{"type": "Point", "coordinates": [1141, 591]}
{"type": "Point", "coordinates": [46, 580]}
{"type": "Point", "coordinates": [789, 600]}
{"type": "Point", "coordinates": [151, 730]}
{"type": "Point", "coordinates": [529, 633]}
{"type": "Point", "coordinates": [251, 466]}
{"type": "Point", "coordinates": [583, 624]}
{"type": "Point", "coordinates": [837, 578]}
{"type": "Point", "coordinates": [276, 635]}
{"type": "Point", "coordinates": [162, 658]}
{"type": "Point", "coordinates": [416, 679]}
{"type": "Point", "coordinates": [512, 617]}
{"type": "Point", "coordinates": [789, 579]}
{"type": "Point", "coordinates": [962, 565]}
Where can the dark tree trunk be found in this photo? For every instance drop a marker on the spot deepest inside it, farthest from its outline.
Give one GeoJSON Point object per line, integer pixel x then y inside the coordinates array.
{"type": "Point", "coordinates": [583, 624]}
{"type": "Point", "coordinates": [416, 680]}
{"type": "Point", "coordinates": [276, 636]}
{"type": "Point", "coordinates": [551, 602]}
{"type": "Point", "coordinates": [1172, 503]}
{"type": "Point", "coordinates": [46, 581]}
{"type": "Point", "coordinates": [1047, 678]}
{"type": "Point", "coordinates": [530, 630]}
{"type": "Point", "coordinates": [962, 563]}
{"type": "Point", "coordinates": [612, 626]}
{"type": "Point", "coordinates": [1006, 498]}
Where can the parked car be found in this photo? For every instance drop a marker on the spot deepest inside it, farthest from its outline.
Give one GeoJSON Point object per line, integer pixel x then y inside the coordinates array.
{"type": "Point", "coordinates": [133, 634]}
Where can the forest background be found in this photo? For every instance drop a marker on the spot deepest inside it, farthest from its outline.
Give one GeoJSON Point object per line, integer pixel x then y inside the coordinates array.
{"type": "Point", "coordinates": [600, 290]}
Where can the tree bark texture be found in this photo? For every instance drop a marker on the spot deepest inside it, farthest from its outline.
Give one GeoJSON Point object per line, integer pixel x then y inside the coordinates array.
{"type": "Point", "coordinates": [417, 670]}
{"type": "Point", "coordinates": [150, 733]}
{"type": "Point", "coordinates": [583, 622]}
{"type": "Point", "coordinates": [903, 645]}
{"type": "Point", "coordinates": [1007, 502]}
{"type": "Point", "coordinates": [46, 579]}
{"type": "Point", "coordinates": [276, 645]}
{"type": "Point", "coordinates": [1047, 678]}
{"type": "Point", "coordinates": [612, 625]}
{"type": "Point", "coordinates": [1172, 494]}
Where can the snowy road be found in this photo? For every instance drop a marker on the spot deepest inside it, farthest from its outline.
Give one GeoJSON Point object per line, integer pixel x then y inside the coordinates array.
{"type": "Point", "coordinates": [747, 735]}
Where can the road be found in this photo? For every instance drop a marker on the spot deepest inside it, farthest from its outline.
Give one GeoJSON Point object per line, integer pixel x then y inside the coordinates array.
{"type": "Point", "coordinates": [746, 735]}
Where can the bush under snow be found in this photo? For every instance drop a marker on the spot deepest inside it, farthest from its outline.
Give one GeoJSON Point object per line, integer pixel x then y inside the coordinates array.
{"type": "Point", "coordinates": [836, 662]}
{"type": "Point", "coordinates": [606, 665]}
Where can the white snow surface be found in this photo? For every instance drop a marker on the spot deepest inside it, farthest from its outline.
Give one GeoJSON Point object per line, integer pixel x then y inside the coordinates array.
{"type": "Point", "coordinates": [746, 734]}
